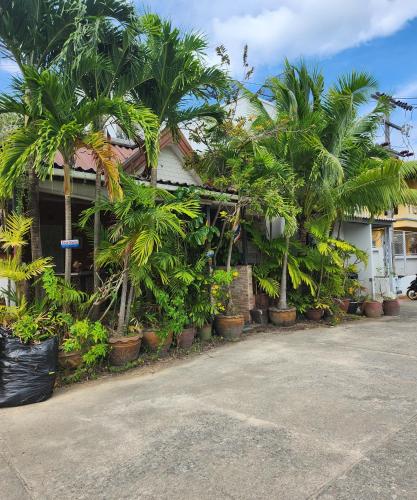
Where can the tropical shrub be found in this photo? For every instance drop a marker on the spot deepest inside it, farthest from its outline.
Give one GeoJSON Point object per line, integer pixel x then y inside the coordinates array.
{"type": "Point", "coordinates": [88, 337]}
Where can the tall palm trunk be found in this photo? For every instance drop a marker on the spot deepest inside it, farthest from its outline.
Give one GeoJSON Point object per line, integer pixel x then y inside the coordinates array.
{"type": "Point", "coordinates": [129, 305]}
{"type": "Point", "coordinates": [122, 311]}
{"type": "Point", "coordinates": [35, 229]}
{"type": "Point", "coordinates": [68, 219]}
{"type": "Point", "coordinates": [154, 176]}
{"type": "Point", "coordinates": [282, 303]}
{"type": "Point", "coordinates": [97, 224]}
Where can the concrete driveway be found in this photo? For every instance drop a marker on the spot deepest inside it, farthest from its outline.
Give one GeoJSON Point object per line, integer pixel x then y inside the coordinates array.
{"type": "Point", "coordinates": [322, 413]}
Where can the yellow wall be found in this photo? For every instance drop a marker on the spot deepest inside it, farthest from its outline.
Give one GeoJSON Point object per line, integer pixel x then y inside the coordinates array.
{"type": "Point", "coordinates": [409, 215]}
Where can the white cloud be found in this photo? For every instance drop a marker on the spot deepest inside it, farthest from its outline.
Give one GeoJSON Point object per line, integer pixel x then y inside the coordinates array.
{"type": "Point", "coordinates": [297, 28]}
{"type": "Point", "coordinates": [9, 66]}
{"type": "Point", "coordinates": [409, 89]}
{"type": "Point", "coordinates": [274, 29]}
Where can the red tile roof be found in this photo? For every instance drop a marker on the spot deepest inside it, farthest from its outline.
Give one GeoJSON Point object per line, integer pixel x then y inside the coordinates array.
{"type": "Point", "coordinates": [84, 160]}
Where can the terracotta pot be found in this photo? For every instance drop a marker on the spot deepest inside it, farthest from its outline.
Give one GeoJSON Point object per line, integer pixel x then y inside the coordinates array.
{"type": "Point", "coordinates": [314, 314]}
{"type": "Point", "coordinates": [205, 332]}
{"type": "Point", "coordinates": [261, 301]}
{"type": "Point", "coordinates": [70, 360]}
{"type": "Point", "coordinates": [124, 349]}
{"type": "Point", "coordinates": [353, 307]}
{"type": "Point", "coordinates": [229, 327]}
{"type": "Point", "coordinates": [344, 304]}
{"type": "Point", "coordinates": [372, 309]}
{"type": "Point", "coordinates": [391, 307]}
{"type": "Point", "coordinates": [282, 317]}
{"type": "Point", "coordinates": [186, 337]}
{"type": "Point", "coordinates": [153, 343]}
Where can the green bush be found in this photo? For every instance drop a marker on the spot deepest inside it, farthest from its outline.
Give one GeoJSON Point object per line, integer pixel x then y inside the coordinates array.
{"type": "Point", "coordinates": [89, 338]}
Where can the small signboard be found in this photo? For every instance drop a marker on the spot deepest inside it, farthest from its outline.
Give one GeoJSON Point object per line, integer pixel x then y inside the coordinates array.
{"type": "Point", "coordinates": [70, 243]}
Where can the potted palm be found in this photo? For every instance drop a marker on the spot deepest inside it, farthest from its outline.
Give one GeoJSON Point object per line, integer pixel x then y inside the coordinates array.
{"type": "Point", "coordinates": [143, 219]}
{"type": "Point", "coordinates": [283, 315]}
{"type": "Point", "coordinates": [227, 323]}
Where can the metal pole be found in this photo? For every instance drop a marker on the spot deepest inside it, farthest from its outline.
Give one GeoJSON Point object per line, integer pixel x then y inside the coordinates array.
{"type": "Point", "coordinates": [404, 253]}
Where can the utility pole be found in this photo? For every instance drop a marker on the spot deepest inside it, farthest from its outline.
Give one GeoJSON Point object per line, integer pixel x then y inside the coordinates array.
{"type": "Point", "coordinates": [388, 124]}
{"type": "Point", "coordinates": [389, 253]}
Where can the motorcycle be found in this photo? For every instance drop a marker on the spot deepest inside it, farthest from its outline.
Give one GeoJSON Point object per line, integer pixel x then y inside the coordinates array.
{"type": "Point", "coordinates": [412, 290]}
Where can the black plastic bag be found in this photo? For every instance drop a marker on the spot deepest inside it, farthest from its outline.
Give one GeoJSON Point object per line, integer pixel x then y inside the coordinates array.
{"type": "Point", "coordinates": [27, 372]}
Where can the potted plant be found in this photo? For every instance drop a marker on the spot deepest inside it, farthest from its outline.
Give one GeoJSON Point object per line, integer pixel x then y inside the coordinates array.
{"type": "Point", "coordinates": [317, 309]}
{"type": "Point", "coordinates": [125, 348]}
{"type": "Point", "coordinates": [391, 305]}
{"type": "Point", "coordinates": [205, 332]}
{"type": "Point", "coordinates": [201, 306]}
{"type": "Point", "coordinates": [283, 315]}
{"type": "Point", "coordinates": [227, 323]}
{"type": "Point", "coordinates": [90, 339]}
{"type": "Point", "coordinates": [157, 338]}
{"type": "Point", "coordinates": [353, 292]}
{"type": "Point", "coordinates": [372, 308]}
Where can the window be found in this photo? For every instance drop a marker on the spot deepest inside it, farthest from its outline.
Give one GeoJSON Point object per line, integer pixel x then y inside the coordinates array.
{"type": "Point", "coordinates": [411, 243]}
{"type": "Point", "coordinates": [398, 243]}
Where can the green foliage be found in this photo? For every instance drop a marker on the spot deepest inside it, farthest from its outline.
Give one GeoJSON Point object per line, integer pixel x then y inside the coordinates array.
{"type": "Point", "coordinates": [13, 237]}
{"type": "Point", "coordinates": [59, 293]}
{"type": "Point", "coordinates": [33, 326]}
{"type": "Point", "coordinates": [88, 337]}
{"type": "Point", "coordinates": [220, 289]}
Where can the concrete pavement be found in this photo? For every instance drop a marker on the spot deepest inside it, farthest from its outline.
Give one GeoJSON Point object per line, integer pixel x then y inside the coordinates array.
{"type": "Point", "coordinates": [325, 413]}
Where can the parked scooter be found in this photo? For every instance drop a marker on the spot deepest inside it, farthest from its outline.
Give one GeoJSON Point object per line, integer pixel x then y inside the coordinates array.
{"type": "Point", "coordinates": [412, 290]}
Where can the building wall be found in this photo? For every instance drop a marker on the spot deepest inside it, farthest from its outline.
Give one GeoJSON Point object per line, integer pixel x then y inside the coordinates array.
{"type": "Point", "coordinates": [406, 218]}
{"type": "Point", "coordinates": [170, 168]}
{"type": "Point", "coordinates": [360, 235]}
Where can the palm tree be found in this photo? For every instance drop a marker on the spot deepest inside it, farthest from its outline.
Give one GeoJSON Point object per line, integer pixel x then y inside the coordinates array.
{"type": "Point", "coordinates": [144, 219]}
{"type": "Point", "coordinates": [177, 84]}
{"type": "Point", "coordinates": [108, 65]}
{"type": "Point", "coordinates": [64, 126]}
{"type": "Point", "coordinates": [35, 33]}
{"type": "Point", "coordinates": [330, 150]}
{"type": "Point", "coordinates": [329, 146]}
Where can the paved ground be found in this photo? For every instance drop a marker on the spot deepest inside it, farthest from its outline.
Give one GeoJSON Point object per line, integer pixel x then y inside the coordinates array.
{"type": "Point", "coordinates": [325, 413]}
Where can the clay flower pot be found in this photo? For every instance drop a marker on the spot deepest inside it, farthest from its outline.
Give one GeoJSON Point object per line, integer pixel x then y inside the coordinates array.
{"type": "Point", "coordinates": [391, 307]}
{"type": "Point", "coordinates": [344, 305]}
{"type": "Point", "coordinates": [205, 332]}
{"type": "Point", "coordinates": [124, 349]}
{"type": "Point", "coordinates": [282, 317]}
{"type": "Point", "coordinates": [70, 360]}
{"type": "Point", "coordinates": [186, 337]}
{"type": "Point", "coordinates": [229, 327]}
{"type": "Point", "coordinates": [314, 314]}
{"type": "Point", "coordinates": [372, 308]}
{"type": "Point", "coordinates": [153, 343]}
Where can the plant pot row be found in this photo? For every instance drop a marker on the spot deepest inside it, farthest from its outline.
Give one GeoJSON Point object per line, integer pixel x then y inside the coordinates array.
{"type": "Point", "coordinates": [375, 309]}
{"type": "Point", "coordinates": [372, 309]}
{"type": "Point", "coordinates": [126, 349]}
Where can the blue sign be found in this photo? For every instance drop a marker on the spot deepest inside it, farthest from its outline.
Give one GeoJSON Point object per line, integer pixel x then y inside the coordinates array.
{"type": "Point", "coordinates": [70, 243]}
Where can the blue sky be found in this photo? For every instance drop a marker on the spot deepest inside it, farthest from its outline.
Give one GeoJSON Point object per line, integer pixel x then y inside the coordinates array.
{"type": "Point", "coordinates": [378, 36]}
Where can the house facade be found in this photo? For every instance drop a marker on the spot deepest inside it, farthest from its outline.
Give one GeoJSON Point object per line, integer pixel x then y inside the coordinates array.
{"type": "Point", "coordinates": [405, 244]}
